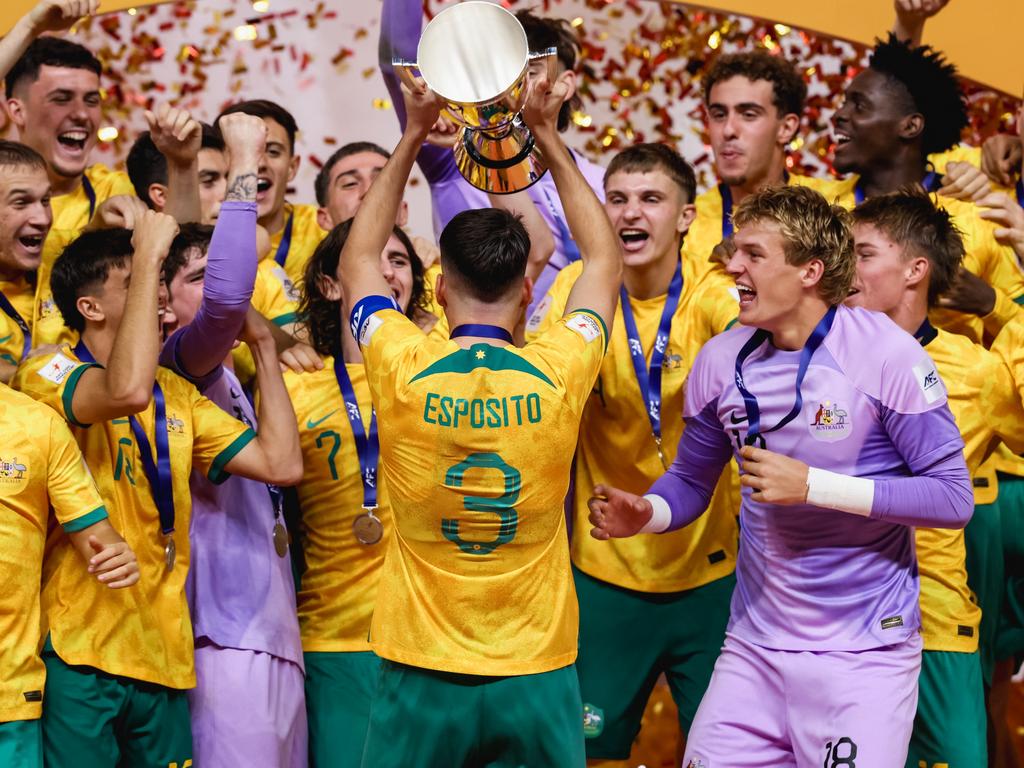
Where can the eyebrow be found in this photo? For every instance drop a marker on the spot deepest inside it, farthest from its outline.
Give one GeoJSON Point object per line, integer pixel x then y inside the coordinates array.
{"type": "Point", "coordinates": [210, 174]}
{"type": "Point", "coordinates": [70, 92]}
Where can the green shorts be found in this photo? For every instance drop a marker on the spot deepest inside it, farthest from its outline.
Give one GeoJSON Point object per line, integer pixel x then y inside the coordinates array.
{"type": "Point", "coordinates": [949, 728]}
{"type": "Point", "coordinates": [339, 689]}
{"type": "Point", "coordinates": [95, 720]}
{"type": "Point", "coordinates": [21, 744]}
{"type": "Point", "coordinates": [437, 720]}
{"type": "Point", "coordinates": [677, 633]}
{"type": "Point", "coordinates": [1009, 641]}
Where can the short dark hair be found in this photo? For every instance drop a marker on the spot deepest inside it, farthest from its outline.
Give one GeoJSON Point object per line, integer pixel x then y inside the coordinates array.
{"type": "Point", "coordinates": [190, 237]}
{"type": "Point", "coordinates": [265, 108]}
{"type": "Point", "coordinates": [789, 91]}
{"type": "Point", "coordinates": [542, 34]}
{"type": "Point", "coordinates": [485, 252]}
{"type": "Point", "coordinates": [323, 179]}
{"type": "Point", "coordinates": [932, 86]}
{"type": "Point", "coordinates": [16, 155]}
{"type": "Point", "coordinates": [911, 219]}
{"type": "Point", "coordinates": [84, 266]}
{"type": "Point", "coordinates": [646, 157]}
{"type": "Point", "coordinates": [321, 315]}
{"type": "Point", "coordinates": [146, 165]}
{"type": "Point", "coordinates": [51, 52]}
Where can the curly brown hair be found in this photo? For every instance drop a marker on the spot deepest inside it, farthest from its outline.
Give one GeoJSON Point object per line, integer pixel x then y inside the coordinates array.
{"type": "Point", "coordinates": [788, 88]}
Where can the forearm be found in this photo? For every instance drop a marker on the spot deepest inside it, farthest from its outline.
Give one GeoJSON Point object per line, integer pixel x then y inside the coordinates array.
{"type": "Point", "coordinates": [227, 290]}
{"type": "Point", "coordinates": [183, 192]}
{"type": "Point", "coordinates": [14, 44]}
{"type": "Point", "coordinates": [943, 498]}
{"type": "Point", "coordinates": [131, 367]}
{"type": "Point", "coordinates": [278, 436]}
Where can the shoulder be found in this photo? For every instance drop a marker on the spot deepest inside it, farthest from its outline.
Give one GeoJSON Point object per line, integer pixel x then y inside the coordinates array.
{"type": "Point", "coordinates": [830, 188]}
{"type": "Point", "coordinates": [108, 182]}
{"type": "Point", "coordinates": [305, 215]}
{"type": "Point", "coordinates": [961, 153]}
{"type": "Point", "coordinates": [56, 368]}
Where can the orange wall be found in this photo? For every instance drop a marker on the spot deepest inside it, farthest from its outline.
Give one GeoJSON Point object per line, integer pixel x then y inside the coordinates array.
{"type": "Point", "coordinates": [982, 38]}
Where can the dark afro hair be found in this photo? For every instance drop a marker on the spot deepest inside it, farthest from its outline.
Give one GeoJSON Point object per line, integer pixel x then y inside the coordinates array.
{"type": "Point", "coordinates": [933, 86]}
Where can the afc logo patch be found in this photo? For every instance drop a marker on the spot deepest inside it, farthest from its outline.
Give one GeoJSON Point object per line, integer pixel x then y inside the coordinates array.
{"type": "Point", "coordinates": [828, 421]}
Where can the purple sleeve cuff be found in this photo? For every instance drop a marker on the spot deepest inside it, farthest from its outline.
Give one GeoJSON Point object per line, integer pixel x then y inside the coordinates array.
{"type": "Point", "coordinates": [938, 494]}
{"type": "Point", "coordinates": [200, 347]}
{"type": "Point", "coordinates": [687, 486]}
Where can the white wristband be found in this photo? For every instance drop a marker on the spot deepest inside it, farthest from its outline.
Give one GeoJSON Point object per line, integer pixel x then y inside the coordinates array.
{"type": "Point", "coordinates": [845, 493]}
{"type": "Point", "coordinates": [662, 517]}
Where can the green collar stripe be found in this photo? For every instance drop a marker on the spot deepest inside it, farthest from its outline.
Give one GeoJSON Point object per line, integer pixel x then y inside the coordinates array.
{"type": "Point", "coordinates": [492, 358]}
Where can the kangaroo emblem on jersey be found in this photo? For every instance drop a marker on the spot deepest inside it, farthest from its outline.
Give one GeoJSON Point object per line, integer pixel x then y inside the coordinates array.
{"type": "Point", "coordinates": [828, 421]}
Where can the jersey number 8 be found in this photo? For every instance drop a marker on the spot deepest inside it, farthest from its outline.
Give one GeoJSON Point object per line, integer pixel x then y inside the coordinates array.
{"type": "Point", "coordinates": [502, 506]}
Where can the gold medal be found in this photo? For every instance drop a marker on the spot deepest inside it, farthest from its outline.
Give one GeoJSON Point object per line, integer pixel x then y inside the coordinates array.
{"type": "Point", "coordinates": [280, 540]}
{"type": "Point", "coordinates": [368, 528]}
{"type": "Point", "coordinates": [170, 552]}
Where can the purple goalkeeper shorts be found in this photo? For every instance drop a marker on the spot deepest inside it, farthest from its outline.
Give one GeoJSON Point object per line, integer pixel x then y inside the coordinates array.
{"type": "Point", "coordinates": [806, 709]}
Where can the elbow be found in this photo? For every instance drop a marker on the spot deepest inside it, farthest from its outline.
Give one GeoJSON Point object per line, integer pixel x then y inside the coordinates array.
{"type": "Point", "coordinates": [288, 470]}
{"type": "Point", "coordinates": [963, 507]}
{"type": "Point", "coordinates": [131, 400]}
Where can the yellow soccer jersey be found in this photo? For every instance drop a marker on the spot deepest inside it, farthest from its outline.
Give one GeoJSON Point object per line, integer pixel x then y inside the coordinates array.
{"type": "Point", "coordinates": [306, 236]}
{"type": "Point", "coordinates": [40, 467]}
{"type": "Point", "coordinates": [274, 295]}
{"type": "Point", "coordinates": [985, 405]}
{"type": "Point", "coordinates": [616, 445]}
{"type": "Point", "coordinates": [339, 585]}
{"type": "Point", "coordinates": [143, 633]}
{"type": "Point", "coordinates": [961, 153]}
{"type": "Point", "coordinates": [984, 256]}
{"type": "Point", "coordinates": [71, 213]}
{"type": "Point", "coordinates": [21, 294]}
{"type": "Point", "coordinates": [476, 450]}
{"type": "Point", "coordinates": [706, 230]}
{"type": "Point", "coordinates": [1009, 346]}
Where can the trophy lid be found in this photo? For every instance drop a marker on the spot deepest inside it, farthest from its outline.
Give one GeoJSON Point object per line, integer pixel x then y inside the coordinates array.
{"type": "Point", "coordinates": [472, 52]}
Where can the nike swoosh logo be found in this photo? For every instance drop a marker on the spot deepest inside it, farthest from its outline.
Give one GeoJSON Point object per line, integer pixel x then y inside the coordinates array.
{"type": "Point", "coordinates": [310, 424]}
{"type": "Point", "coordinates": [740, 420]}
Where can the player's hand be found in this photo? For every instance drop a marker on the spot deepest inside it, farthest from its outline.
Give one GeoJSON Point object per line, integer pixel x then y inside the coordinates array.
{"type": "Point", "coordinates": [301, 358]}
{"type": "Point", "coordinates": [775, 479]}
{"type": "Point", "coordinates": [256, 330]}
{"type": "Point", "coordinates": [422, 108]}
{"type": "Point", "coordinates": [175, 133]}
{"type": "Point", "coordinates": [543, 103]}
{"type": "Point", "coordinates": [113, 564]}
{"type": "Point", "coordinates": [1008, 216]}
{"type": "Point", "coordinates": [154, 233]}
{"type": "Point", "coordinates": [617, 514]}
{"type": "Point", "coordinates": [444, 133]}
{"type": "Point", "coordinates": [912, 13]}
{"type": "Point", "coordinates": [245, 137]}
{"type": "Point", "coordinates": [59, 15]}
{"type": "Point", "coordinates": [969, 294]}
{"type": "Point", "coordinates": [119, 211]}
{"type": "Point", "coordinates": [1001, 158]}
{"type": "Point", "coordinates": [964, 181]}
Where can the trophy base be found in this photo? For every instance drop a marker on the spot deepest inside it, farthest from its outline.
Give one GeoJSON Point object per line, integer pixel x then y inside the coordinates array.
{"type": "Point", "coordinates": [502, 164]}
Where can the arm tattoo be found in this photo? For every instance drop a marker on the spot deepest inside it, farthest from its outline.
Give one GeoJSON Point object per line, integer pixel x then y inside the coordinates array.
{"type": "Point", "coordinates": [242, 188]}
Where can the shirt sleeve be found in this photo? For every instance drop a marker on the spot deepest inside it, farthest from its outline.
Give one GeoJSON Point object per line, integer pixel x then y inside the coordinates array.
{"type": "Point", "coordinates": [217, 438]}
{"type": "Point", "coordinates": [201, 346]}
{"type": "Point", "coordinates": [73, 495]}
{"type": "Point", "coordinates": [571, 352]}
{"type": "Point", "coordinates": [274, 295]}
{"type": "Point", "coordinates": [51, 379]}
{"type": "Point", "coordinates": [551, 308]}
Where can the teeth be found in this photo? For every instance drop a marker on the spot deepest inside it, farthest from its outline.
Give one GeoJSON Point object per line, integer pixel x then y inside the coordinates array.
{"type": "Point", "coordinates": [263, 185]}
{"type": "Point", "coordinates": [75, 135]}
{"type": "Point", "coordinates": [744, 289]}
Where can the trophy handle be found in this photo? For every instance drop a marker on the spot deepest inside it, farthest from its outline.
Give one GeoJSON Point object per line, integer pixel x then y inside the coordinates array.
{"type": "Point", "coordinates": [407, 72]}
{"type": "Point", "coordinates": [550, 57]}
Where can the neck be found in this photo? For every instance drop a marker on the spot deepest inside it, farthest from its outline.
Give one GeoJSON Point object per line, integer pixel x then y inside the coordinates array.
{"type": "Point", "coordinates": [64, 185]}
{"type": "Point", "coordinates": [470, 311]}
{"type": "Point", "coordinates": [349, 346]}
{"type": "Point", "coordinates": [10, 274]}
{"type": "Point", "coordinates": [653, 279]}
{"type": "Point", "coordinates": [910, 312]}
{"type": "Point", "coordinates": [776, 175]}
{"type": "Point", "coordinates": [798, 325]}
{"type": "Point", "coordinates": [100, 342]}
{"type": "Point", "coordinates": [903, 170]}
{"type": "Point", "coordinates": [274, 221]}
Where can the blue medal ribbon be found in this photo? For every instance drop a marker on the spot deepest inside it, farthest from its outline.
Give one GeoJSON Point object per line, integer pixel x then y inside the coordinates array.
{"type": "Point", "coordinates": [482, 331]}
{"type": "Point", "coordinates": [750, 401]}
{"type": "Point", "coordinates": [931, 183]}
{"type": "Point", "coordinates": [926, 333]}
{"type": "Point", "coordinates": [367, 444]}
{"type": "Point", "coordinates": [90, 193]}
{"type": "Point", "coordinates": [286, 242]}
{"type": "Point", "coordinates": [158, 472]}
{"type": "Point", "coordinates": [26, 332]}
{"type": "Point", "coordinates": [726, 193]}
{"type": "Point", "coordinates": [649, 379]}
{"type": "Point", "coordinates": [1020, 192]}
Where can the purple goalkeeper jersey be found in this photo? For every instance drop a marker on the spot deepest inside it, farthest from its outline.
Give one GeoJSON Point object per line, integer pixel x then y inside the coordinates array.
{"type": "Point", "coordinates": [873, 406]}
{"type": "Point", "coordinates": [401, 22]}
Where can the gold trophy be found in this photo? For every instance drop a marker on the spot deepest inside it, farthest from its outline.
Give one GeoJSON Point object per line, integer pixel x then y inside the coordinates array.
{"type": "Point", "coordinates": [474, 55]}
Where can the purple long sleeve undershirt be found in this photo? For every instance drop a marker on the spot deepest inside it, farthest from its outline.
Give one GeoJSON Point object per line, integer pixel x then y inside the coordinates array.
{"type": "Point", "coordinates": [938, 495]}
{"type": "Point", "coordinates": [199, 349]}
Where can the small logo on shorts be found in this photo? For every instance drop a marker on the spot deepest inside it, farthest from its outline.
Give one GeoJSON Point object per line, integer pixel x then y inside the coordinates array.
{"type": "Point", "coordinates": [593, 721]}
{"type": "Point", "coordinates": [828, 421]}
{"type": "Point", "coordinates": [892, 622]}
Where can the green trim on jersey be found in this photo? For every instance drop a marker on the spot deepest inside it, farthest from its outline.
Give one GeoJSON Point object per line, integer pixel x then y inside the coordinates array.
{"type": "Point", "coordinates": [83, 522]}
{"type": "Point", "coordinates": [286, 319]}
{"type": "Point", "coordinates": [493, 358]}
{"type": "Point", "coordinates": [593, 314]}
{"type": "Point", "coordinates": [218, 474]}
{"type": "Point", "coordinates": [69, 392]}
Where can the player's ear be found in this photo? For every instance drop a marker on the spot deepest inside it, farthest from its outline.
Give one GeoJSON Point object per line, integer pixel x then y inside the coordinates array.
{"type": "Point", "coordinates": [293, 167]}
{"type": "Point", "coordinates": [329, 287]}
{"type": "Point", "coordinates": [403, 214]}
{"type": "Point", "coordinates": [918, 270]}
{"type": "Point", "coordinates": [527, 297]}
{"type": "Point", "coordinates": [158, 195]}
{"type": "Point", "coordinates": [91, 309]}
{"type": "Point", "coordinates": [323, 218]}
{"type": "Point", "coordinates": [441, 291]}
{"type": "Point", "coordinates": [812, 272]}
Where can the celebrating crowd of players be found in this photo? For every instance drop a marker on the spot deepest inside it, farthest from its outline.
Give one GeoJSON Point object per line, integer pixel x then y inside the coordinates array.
{"type": "Point", "coordinates": [764, 441]}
